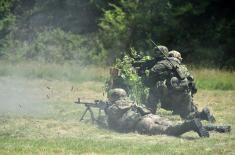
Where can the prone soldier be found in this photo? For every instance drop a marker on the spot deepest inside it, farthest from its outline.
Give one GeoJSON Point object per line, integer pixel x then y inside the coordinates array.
{"type": "Point", "coordinates": [125, 116]}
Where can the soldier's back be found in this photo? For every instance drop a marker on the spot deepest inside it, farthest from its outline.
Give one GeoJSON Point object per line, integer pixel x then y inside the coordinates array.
{"type": "Point", "coordinates": [160, 72]}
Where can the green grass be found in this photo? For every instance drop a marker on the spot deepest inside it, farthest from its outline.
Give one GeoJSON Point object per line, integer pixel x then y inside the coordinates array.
{"type": "Point", "coordinates": [55, 128]}
{"type": "Point", "coordinates": [29, 135]}
{"type": "Point", "coordinates": [68, 72]}
{"type": "Point", "coordinates": [214, 79]}
{"type": "Point", "coordinates": [49, 137]}
{"type": "Point", "coordinates": [209, 79]}
{"type": "Point", "coordinates": [58, 131]}
{"type": "Point", "coordinates": [110, 146]}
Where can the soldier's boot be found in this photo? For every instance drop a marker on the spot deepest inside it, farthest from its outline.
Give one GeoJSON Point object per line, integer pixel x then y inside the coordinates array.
{"type": "Point", "coordinates": [192, 125]}
{"type": "Point", "coordinates": [205, 114]}
{"type": "Point", "coordinates": [220, 129]}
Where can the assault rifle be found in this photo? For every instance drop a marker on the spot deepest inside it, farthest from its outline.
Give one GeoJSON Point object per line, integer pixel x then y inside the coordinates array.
{"type": "Point", "coordinates": [142, 65]}
{"type": "Point", "coordinates": [96, 104]}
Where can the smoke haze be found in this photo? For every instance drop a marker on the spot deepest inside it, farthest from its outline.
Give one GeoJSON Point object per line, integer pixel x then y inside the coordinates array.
{"type": "Point", "coordinates": [22, 97]}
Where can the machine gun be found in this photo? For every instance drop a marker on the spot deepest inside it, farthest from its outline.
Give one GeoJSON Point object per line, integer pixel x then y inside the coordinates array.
{"type": "Point", "coordinates": [101, 105]}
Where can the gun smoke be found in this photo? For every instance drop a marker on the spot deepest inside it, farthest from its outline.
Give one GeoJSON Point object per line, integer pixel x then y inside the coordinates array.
{"type": "Point", "coordinates": [21, 97]}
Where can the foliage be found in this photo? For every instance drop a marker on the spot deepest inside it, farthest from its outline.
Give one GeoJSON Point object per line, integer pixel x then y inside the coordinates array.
{"type": "Point", "coordinates": [7, 20]}
{"type": "Point", "coordinates": [5, 15]}
{"type": "Point", "coordinates": [202, 31]}
{"type": "Point", "coordinates": [137, 91]}
{"type": "Point", "coordinates": [114, 31]}
{"type": "Point", "coordinates": [56, 46]}
{"type": "Point", "coordinates": [196, 29]}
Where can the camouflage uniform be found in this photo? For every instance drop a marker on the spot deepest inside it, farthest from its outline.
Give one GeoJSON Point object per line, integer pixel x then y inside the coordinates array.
{"type": "Point", "coordinates": [174, 89]}
{"type": "Point", "coordinates": [125, 116]}
{"type": "Point", "coordinates": [116, 80]}
{"type": "Point", "coordinates": [159, 82]}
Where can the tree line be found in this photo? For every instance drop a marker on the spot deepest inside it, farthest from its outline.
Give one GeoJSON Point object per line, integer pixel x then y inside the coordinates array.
{"type": "Point", "coordinates": [103, 30]}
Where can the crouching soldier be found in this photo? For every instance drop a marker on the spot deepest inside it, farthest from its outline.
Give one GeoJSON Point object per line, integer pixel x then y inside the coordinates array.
{"type": "Point", "coordinates": [173, 86]}
{"type": "Point", "coordinates": [125, 116]}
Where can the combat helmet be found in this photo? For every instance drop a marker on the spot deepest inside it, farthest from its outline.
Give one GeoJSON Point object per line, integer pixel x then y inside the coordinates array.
{"type": "Point", "coordinates": [176, 55]}
{"type": "Point", "coordinates": [159, 50]}
{"type": "Point", "coordinates": [116, 94]}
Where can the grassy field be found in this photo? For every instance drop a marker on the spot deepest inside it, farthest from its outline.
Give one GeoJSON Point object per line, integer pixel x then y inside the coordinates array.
{"type": "Point", "coordinates": [210, 79]}
{"type": "Point", "coordinates": [214, 79]}
{"type": "Point", "coordinates": [38, 115]}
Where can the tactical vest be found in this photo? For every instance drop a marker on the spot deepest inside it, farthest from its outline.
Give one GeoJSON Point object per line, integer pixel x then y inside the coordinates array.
{"type": "Point", "coordinates": [169, 69]}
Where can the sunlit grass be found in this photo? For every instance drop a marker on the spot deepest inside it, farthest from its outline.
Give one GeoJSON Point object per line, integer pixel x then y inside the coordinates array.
{"type": "Point", "coordinates": [205, 78]}
{"type": "Point", "coordinates": [67, 72]}
{"type": "Point", "coordinates": [60, 132]}
{"type": "Point", "coordinates": [214, 79]}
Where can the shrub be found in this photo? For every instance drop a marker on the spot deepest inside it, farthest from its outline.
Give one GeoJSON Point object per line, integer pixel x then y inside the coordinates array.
{"type": "Point", "coordinates": [56, 46]}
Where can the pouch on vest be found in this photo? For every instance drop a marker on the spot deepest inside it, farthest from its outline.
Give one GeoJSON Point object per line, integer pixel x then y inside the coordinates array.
{"type": "Point", "coordinates": [179, 84]}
